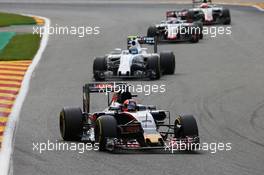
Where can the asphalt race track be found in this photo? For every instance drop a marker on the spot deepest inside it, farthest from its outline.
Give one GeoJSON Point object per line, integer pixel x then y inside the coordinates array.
{"type": "Point", "coordinates": [219, 80]}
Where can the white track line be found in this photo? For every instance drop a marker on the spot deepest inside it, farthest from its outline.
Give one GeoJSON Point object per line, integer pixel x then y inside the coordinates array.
{"type": "Point", "coordinates": [8, 138]}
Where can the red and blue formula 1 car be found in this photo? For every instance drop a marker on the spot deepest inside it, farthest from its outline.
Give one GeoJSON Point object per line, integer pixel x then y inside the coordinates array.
{"type": "Point", "coordinates": [124, 123]}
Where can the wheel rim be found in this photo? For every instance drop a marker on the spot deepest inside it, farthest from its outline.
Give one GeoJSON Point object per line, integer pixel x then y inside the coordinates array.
{"type": "Point", "coordinates": [177, 130]}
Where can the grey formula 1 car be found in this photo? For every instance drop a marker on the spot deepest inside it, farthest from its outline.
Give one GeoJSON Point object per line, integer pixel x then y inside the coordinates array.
{"type": "Point", "coordinates": [206, 12]}
{"type": "Point", "coordinates": [125, 124]}
{"type": "Point", "coordinates": [135, 62]}
{"type": "Point", "coordinates": [175, 29]}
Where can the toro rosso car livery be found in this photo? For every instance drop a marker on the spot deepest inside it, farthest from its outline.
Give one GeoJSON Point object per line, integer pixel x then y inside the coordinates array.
{"type": "Point", "coordinates": [125, 124]}
{"type": "Point", "coordinates": [135, 62]}
{"type": "Point", "coordinates": [176, 29]}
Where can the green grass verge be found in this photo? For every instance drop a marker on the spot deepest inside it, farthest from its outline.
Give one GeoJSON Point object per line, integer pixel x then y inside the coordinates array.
{"type": "Point", "coordinates": [7, 19]}
{"type": "Point", "coordinates": [21, 47]}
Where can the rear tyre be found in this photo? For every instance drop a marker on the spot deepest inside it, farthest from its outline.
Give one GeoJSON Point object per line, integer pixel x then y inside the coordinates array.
{"type": "Point", "coordinates": [152, 31]}
{"type": "Point", "coordinates": [226, 17]}
{"type": "Point", "coordinates": [105, 127]}
{"type": "Point", "coordinates": [154, 67]}
{"type": "Point", "coordinates": [167, 62]}
{"type": "Point", "coordinates": [99, 67]}
{"type": "Point", "coordinates": [71, 124]}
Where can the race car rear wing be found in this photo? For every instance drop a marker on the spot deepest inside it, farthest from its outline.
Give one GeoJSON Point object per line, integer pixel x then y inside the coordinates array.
{"type": "Point", "coordinates": [171, 14]}
{"type": "Point", "coordinates": [176, 14]}
{"type": "Point", "coordinates": [104, 87]}
{"type": "Point", "coordinates": [142, 40]}
{"type": "Point", "coordinates": [197, 2]}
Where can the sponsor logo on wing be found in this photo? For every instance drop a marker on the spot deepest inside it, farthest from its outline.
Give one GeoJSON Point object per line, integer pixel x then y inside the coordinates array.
{"type": "Point", "coordinates": [172, 31]}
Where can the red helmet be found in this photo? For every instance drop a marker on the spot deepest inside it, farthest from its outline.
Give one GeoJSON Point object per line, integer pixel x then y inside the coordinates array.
{"type": "Point", "coordinates": [204, 5]}
{"type": "Point", "coordinates": [130, 105]}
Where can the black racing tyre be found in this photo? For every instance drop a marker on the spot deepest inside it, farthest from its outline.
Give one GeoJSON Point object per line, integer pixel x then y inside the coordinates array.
{"type": "Point", "coordinates": [200, 25]}
{"type": "Point", "coordinates": [195, 36]}
{"type": "Point", "coordinates": [153, 63]}
{"type": "Point", "coordinates": [201, 35]}
{"type": "Point", "coordinates": [226, 17]}
{"type": "Point", "coordinates": [190, 17]}
{"type": "Point", "coordinates": [167, 62]}
{"type": "Point", "coordinates": [71, 124]}
{"type": "Point", "coordinates": [105, 127]}
{"type": "Point", "coordinates": [152, 31]}
{"type": "Point", "coordinates": [99, 67]}
{"type": "Point", "coordinates": [141, 141]}
{"type": "Point", "coordinates": [185, 125]}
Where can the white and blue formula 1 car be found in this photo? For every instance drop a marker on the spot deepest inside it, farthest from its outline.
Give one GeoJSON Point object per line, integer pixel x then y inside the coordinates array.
{"type": "Point", "coordinates": [134, 62]}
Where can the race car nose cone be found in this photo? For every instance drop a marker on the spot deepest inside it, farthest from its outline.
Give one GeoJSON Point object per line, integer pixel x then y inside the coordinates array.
{"type": "Point", "coordinates": [125, 65]}
{"type": "Point", "coordinates": [153, 138]}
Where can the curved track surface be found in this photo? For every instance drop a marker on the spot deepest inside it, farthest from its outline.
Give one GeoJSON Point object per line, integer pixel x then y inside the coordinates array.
{"type": "Point", "coordinates": [220, 80]}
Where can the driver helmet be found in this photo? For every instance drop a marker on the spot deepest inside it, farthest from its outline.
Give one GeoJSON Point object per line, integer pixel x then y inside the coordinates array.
{"type": "Point", "coordinates": [204, 5]}
{"type": "Point", "coordinates": [130, 105]}
{"type": "Point", "coordinates": [133, 50]}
